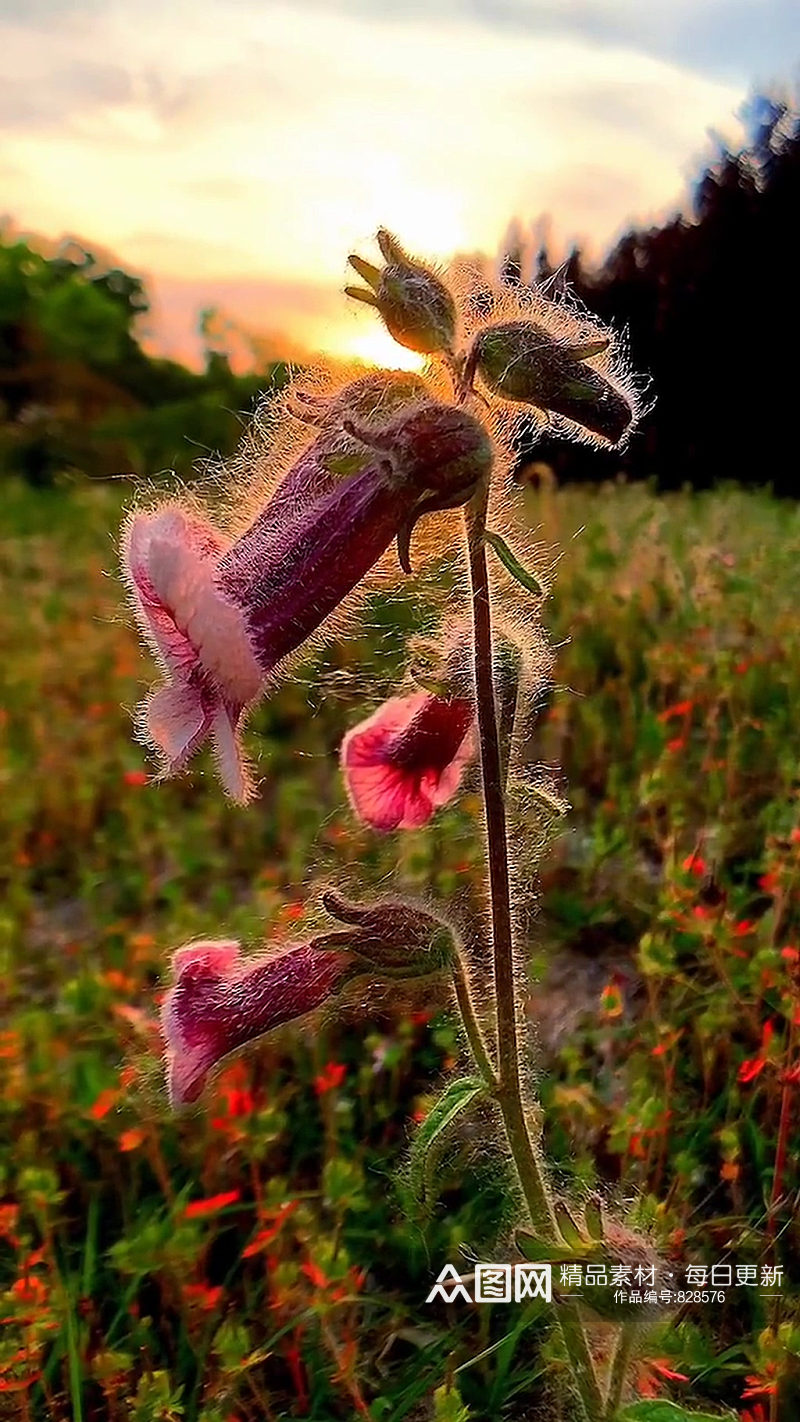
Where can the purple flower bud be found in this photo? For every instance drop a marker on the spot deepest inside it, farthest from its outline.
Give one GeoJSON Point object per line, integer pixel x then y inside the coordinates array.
{"type": "Point", "coordinates": [221, 616]}
{"type": "Point", "coordinates": [416, 307]}
{"type": "Point", "coordinates": [522, 362]}
{"type": "Point", "coordinates": [219, 1002]}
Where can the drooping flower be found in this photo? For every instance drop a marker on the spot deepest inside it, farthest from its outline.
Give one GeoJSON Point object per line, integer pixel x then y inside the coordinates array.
{"type": "Point", "coordinates": [222, 615]}
{"type": "Point", "coordinates": [221, 1001]}
{"type": "Point", "coordinates": [407, 759]}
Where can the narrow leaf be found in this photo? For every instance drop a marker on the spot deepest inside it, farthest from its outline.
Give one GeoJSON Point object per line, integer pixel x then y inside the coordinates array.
{"type": "Point", "coordinates": [511, 562]}
{"type": "Point", "coordinates": [360, 293]}
{"type": "Point", "coordinates": [539, 1251]}
{"type": "Point", "coordinates": [429, 1141]}
{"type": "Point", "coordinates": [584, 350]}
{"type": "Point", "coordinates": [570, 1233]}
{"type": "Point", "coordinates": [369, 273]}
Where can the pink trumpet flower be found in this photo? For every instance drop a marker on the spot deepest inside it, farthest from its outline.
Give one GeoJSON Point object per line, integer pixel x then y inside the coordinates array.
{"type": "Point", "coordinates": [221, 615]}
{"type": "Point", "coordinates": [407, 759]}
{"type": "Point", "coordinates": [221, 1001]}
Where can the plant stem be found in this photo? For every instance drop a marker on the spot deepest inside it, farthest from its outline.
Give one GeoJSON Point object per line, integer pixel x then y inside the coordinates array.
{"type": "Point", "coordinates": [619, 1369]}
{"type": "Point", "coordinates": [472, 1027]}
{"type": "Point", "coordinates": [509, 1086]}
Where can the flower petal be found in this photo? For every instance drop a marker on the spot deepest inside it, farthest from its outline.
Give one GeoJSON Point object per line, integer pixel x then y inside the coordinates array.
{"type": "Point", "coordinates": [407, 759]}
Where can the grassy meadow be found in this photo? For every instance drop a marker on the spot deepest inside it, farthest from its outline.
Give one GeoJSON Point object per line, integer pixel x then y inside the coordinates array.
{"type": "Point", "coordinates": [251, 1258]}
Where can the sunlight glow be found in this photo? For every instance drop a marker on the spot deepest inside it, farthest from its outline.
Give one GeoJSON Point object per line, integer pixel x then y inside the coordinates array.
{"type": "Point", "coordinates": [375, 347]}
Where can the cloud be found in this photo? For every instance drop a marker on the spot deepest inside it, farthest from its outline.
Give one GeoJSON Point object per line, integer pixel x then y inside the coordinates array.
{"type": "Point", "coordinates": [264, 141]}
{"type": "Point", "coordinates": [745, 39]}
{"type": "Point", "coordinates": [70, 88]}
{"type": "Point", "coordinates": [289, 318]}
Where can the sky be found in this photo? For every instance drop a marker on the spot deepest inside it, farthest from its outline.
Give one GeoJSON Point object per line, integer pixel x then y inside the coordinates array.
{"type": "Point", "coordinates": [235, 151]}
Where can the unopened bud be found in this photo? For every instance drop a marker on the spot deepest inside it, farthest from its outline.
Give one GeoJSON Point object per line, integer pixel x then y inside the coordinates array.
{"type": "Point", "coordinates": [521, 361]}
{"type": "Point", "coordinates": [400, 939]}
{"type": "Point", "coordinates": [416, 307]}
{"type": "Point", "coordinates": [613, 1253]}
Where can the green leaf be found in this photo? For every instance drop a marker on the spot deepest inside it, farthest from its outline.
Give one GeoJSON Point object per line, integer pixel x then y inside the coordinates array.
{"type": "Point", "coordinates": [447, 1405]}
{"type": "Point", "coordinates": [511, 562]}
{"type": "Point", "coordinates": [568, 1229]}
{"type": "Point", "coordinates": [539, 1251]}
{"type": "Point", "coordinates": [429, 1141]}
{"type": "Point", "coordinates": [658, 1410]}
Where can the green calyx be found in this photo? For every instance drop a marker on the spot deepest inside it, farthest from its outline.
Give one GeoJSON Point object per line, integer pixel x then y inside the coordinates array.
{"type": "Point", "coordinates": [414, 303]}
{"type": "Point", "coordinates": [520, 361]}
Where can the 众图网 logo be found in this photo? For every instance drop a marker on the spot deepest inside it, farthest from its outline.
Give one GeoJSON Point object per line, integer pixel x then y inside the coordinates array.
{"type": "Point", "coordinates": [494, 1283]}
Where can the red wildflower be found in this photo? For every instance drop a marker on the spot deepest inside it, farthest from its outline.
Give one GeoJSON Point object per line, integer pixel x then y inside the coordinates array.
{"type": "Point", "coordinates": [313, 1272]}
{"type": "Point", "coordinates": [652, 1373]}
{"type": "Point", "coordinates": [749, 1070]}
{"type": "Point", "coordinates": [29, 1289]}
{"type": "Point", "coordinates": [211, 1204]}
{"type": "Point", "coordinates": [694, 864]}
{"type": "Point", "coordinates": [104, 1103]}
{"type": "Point", "coordinates": [659, 1365]}
{"type": "Point", "coordinates": [678, 744]}
{"type": "Point", "coordinates": [130, 1140]}
{"type": "Point", "coordinates": [19, 1384]}
{"type": "Point", "coordinates": [9, 1215]}
{"type": "Point", "coordinates": [135, 777]}
{"type": "Point", "coordinates": [760, 1387]}
{"type": "Point", "coordinates": [266, 1235]}
{"type": "Point", "coordinates": [206, 1295]}
{"type": "Point", "coordinates": [332, 1075]}
{"type": "Point", "coordinates": [680, 708]}
{"type": "Point", "coordinates": [743, 927]}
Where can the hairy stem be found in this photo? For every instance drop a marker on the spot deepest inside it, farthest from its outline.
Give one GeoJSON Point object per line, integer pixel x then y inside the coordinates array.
{"type": "Point", "coordinates": [509, 1086]}
{"type": "Point", "coordinates": [619, 1370]}
{"type": "Point", "coordinates": [472, 1026]}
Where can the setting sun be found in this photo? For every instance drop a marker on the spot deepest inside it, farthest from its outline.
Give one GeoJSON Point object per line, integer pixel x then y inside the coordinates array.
{"type": "Point", "coordinates": [375, 347]}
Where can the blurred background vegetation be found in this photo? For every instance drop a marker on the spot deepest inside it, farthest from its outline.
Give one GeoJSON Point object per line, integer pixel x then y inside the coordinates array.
{"type": "Point", "coordinates": [253, 1259]}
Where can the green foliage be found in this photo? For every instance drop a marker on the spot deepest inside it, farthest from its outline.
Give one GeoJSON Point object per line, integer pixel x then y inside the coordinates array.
{"type": "Point", "coordinates": [77, 392]}
{"type": "Point", "coordinates": [659, 1411]}
{"type": "Point", "coordinates": [447, 1405]}
{"type": "Point", "coordinates": [511, 563]}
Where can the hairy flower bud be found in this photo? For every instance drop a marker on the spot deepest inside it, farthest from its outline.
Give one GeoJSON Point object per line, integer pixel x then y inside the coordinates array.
{"type": "Point", "coordinates": [399, 938]}
{"type": "Point", "coordinates": [522, 362]}
{"type": "Point", "coordinates": [622, 1261]}
{"type": "Point", "coordinates": [415, 305]}
{"type": "Point", "coordinates": [222, 615]}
